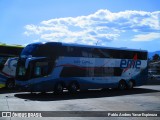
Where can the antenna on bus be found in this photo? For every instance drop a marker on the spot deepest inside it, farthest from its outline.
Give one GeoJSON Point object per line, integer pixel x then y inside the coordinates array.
{"type": "Point", "coordinates": [97, 42]}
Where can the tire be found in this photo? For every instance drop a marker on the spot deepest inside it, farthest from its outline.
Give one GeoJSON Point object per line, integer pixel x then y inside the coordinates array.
{"type": "Point", "coordinates": [73, 87]}
{"type": "Point", "coordinates": [10, 84]}
{"type": "Point", "coordinates": [130, 84]}
{"type": "Point", "coordinates": [58, 89]}
{"type": "Point", "coordinates": [122, 85]}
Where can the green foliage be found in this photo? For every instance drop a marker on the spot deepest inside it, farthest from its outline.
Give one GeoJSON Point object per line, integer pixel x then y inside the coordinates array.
{"type": "Point", "coordinates": [3, 44]}
{"type": "Point", "coordinates": [156, 57]}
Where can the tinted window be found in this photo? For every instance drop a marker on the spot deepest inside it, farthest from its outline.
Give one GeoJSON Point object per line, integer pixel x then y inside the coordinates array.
{"type": "Point", "coordinates": [41, 69]}
{"type": "Point", "coordinates": [73, 51]}
{"type": "Point", "coordinates": [73, 72]}
{"type": "Point", "coordinates": [90, 72]}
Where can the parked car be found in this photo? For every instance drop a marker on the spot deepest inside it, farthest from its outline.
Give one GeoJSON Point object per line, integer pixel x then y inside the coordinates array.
{"type": "Point", "coordinates": [153, 75]}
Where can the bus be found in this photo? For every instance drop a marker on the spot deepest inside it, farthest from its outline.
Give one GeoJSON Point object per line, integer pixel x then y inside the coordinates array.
{"type": "Point", "coordinates": [55, 66]}
{"type": "Point", "coordinates": [8, 61]}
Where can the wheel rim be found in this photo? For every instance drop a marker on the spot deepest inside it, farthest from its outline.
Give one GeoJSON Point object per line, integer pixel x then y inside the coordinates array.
{"type": "Point", "coordinates": [73, 88]}
{"type": "Point", "coordinates": [122, 85]}
{"type": "Point", "coordinates": [58, 89]}
{"type": "Point", "coordinates": [10, 85]}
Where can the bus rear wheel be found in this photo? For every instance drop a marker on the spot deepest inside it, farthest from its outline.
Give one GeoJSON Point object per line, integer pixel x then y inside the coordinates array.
{"type": "Point", "coordinates": [58, 89]}
{"type": "Point", "coordinates": [73, 87]}
{"type": "Point", "coordinates": [122, 85]}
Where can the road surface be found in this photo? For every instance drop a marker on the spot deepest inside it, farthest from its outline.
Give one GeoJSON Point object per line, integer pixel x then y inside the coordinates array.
{"type": "Point", "coordinates": [144, 98]}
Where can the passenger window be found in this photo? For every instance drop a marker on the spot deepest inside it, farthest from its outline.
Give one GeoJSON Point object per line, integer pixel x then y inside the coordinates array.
{"type": "Point", "coordinates": [37, 71]}
{"type": "Point", "coordinates": [41, 69]}
{"type": "Point", "coordinates": [70, 49]}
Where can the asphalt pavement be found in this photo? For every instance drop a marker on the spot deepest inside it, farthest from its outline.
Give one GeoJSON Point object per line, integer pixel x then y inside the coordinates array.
{"type": "Point", "coordinates": [90, 103]}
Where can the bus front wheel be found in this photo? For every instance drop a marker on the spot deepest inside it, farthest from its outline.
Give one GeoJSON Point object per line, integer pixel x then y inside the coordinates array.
{"type": "Point", "coordinates": [10, 84]}
{"type": "Point", "coordinates": [58, 88]}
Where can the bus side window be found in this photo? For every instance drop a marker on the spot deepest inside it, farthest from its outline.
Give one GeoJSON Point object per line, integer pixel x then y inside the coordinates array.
{"type": "Point", "coordinates": [45, 70]}
{"type": "Point", "coordinates": [84, 54]}
{"type": "Point", "coordinates": [41, 69]}
{"type": "Point", "coordinates": [37, 71]}
{"type": "Point", "coordinates": [70, 49]}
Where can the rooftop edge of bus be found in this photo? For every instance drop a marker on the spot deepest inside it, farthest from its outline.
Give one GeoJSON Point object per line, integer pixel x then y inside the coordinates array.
{"type": "Point", "coordinates": [83, 45]}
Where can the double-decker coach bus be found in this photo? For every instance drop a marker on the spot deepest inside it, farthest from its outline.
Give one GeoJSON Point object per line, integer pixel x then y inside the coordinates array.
{"type": "Point", "coordinates": [54, 66]}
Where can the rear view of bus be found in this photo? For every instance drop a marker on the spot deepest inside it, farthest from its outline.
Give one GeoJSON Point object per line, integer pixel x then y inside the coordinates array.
{"type": "Point", "coordinates": [53, 66]}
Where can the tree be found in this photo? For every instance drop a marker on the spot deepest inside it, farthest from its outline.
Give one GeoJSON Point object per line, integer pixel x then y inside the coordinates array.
{"type": "Point", "coordinates": [156, 57]}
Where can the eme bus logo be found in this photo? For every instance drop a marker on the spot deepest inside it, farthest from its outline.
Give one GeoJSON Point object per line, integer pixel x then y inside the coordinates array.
{"type": "Point", "coordinates": [130, 64]}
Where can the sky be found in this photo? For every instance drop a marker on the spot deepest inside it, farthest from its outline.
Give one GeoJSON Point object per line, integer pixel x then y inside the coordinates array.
{"type": "Point", "coordinates": [112, 23]}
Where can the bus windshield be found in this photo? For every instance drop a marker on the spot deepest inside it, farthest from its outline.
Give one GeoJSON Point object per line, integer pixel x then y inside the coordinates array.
{"type": "Point", "coordinates": [21, 72]}
{"type": "Point", "coordinates": [35, 69]}
{"type": "Point", "coordinates": [29, 50]}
